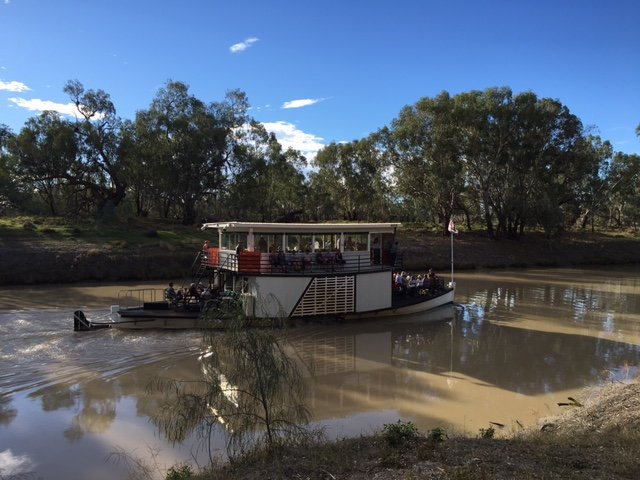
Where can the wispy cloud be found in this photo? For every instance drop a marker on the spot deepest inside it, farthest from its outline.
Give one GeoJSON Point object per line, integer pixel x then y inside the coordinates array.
{"type": "Point", "coordinates": [290, 136]}
{"type": "Point", "coordinates": [37, 105]}
{"type": "Point", "coordinates": [14, 86]}
{"type": "Point", "coordinates": [303, 102]}
{"type": "Point", "coordinates": [242, 46]}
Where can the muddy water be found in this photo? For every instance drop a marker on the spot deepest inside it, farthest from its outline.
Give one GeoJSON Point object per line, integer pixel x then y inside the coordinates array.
{"type": "Point", "coordinates": [515, 344]}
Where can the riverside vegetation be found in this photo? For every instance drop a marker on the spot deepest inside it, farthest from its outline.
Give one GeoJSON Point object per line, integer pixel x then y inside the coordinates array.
{"type": "Point", "coordinates": [596, 438]}
{"type": "Point", "coordinates": [78, 251]}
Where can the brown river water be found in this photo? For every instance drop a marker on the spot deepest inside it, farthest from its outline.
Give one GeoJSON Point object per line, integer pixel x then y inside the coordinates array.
{"type": "Point", "coordinates": [514, 345]}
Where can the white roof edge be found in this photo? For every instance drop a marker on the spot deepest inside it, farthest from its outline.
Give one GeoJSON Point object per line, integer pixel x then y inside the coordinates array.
{"type": "Point", "coordinates": [301, 227]}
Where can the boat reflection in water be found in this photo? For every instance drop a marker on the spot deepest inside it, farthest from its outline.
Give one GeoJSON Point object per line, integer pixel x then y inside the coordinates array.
{"type": "Point", "coordinates": [460, 372]}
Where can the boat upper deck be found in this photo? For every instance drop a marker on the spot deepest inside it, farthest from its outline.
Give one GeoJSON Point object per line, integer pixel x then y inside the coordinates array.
{"type": "Point", "coordinates": [301, 248]}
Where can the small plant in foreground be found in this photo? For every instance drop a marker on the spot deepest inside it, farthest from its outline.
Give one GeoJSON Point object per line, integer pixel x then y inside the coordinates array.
{"type": "Point", "coordinates": [396, 433]}
{"type": "Point", "coordinates": [487, 432]}
{"type": "Point", "coordinates": [438, 435]}
{"type": "Point", "coordinates": [179, 472]}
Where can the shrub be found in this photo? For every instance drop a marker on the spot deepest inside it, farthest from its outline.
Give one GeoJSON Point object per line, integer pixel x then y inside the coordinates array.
{"type": "Point", "coordinates": [438, 435]}
{"type": "Point", "coordinates": [179, 472]}
{"type": "Point", "coordinates": [397, 433]}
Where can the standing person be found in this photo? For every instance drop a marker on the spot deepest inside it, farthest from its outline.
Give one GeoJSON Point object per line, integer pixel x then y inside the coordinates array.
{"type": "Point", "coordinates": [393, 253]}
{"type": "Point", "coordinates": [377, 251]}
{"type": "Point", "coordinates": [432, 280]}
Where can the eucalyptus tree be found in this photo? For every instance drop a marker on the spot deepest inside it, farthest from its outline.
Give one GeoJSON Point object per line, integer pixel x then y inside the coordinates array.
{"type": "Point", "coordinates": [423, 145]}
{"type": "Point", "coordinates": [9, 194]}
{"type": "Point", "coordinates": [189, 145]}
{"type": "Point", "coordinates": [267, 183]}
{"type": "Point", "coordinates": [592, 196]}
{"type": "Point", "coordinates": [46, 154]}
{"type": "Point", "coordinates": [351, 178]}
{"type": "Point", "coordinates": [623, 194]}
{"type": "Point", "coordinates": [526, 158]}
{"type": "Point", "coordinates": [98, 165]}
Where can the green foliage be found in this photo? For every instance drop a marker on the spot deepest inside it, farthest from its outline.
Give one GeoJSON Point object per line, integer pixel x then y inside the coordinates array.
{"type": "Point", "coordinates": [398, 433]}
{"type": "Point", "coordinates": [251, 391]}
{"type": "Point", "coordinates": [179, 472]}
{"type": "Point", "coordinates": [509, 162]}
{"type": "Point", "coordinates": [438, 435]}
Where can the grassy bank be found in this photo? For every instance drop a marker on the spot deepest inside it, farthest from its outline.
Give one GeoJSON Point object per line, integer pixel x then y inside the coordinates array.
{"type": "Point", "coordinates": [596, 438]}
{"type": "Point", "coordinates": [68, 252]}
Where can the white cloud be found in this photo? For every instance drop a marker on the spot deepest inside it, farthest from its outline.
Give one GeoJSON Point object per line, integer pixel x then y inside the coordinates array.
{"type": "Point", "coordinates": [14, 465]}
{"type": "Point", "coordinates": [290, 136]}
{"type": "Point", "coordinates": [37, 105]}
{"type": "Point", "coordinates": [242, 46]}
{"type": "Point", "coordinates": [14, 86]}
{"type": "Point", "coordinates": [303, 102]}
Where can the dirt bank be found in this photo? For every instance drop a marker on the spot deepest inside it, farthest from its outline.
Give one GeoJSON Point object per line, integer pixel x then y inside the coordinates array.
{"type": "Point", "coordinates": [597, 438]}
{"type": "Point", "coordinates": [42, 261]}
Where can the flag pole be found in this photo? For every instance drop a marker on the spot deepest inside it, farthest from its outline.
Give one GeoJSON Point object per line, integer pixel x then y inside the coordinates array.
{"type": "Point", "coordinates": [452, 232]}
{"type": "Point", "coordinates": [451, 235]}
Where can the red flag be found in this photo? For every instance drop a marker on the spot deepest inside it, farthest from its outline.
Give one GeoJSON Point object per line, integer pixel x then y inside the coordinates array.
{"type": "Point", "coordinates": [452, 226]}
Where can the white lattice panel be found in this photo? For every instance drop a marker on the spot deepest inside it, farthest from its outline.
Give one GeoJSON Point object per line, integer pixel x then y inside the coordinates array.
{"type": "Point", "coordinates": [328, 296]}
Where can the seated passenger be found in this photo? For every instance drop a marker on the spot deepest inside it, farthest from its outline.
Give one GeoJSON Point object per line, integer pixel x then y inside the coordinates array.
{"type": "Point", "coordinates": [412, 285]}
{"type": "Point", "coordinates": [170, 293]}
{"type": "Point", "coordinates": [193, 292]}
{"type": "Point", "coordinates": [306, 262]}
{"type": "Point", "coordinates": [339, 259]}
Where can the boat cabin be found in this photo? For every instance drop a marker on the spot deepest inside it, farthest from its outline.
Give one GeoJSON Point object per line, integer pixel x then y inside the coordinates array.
{"type": "Point", "coordinates": [299, 270]}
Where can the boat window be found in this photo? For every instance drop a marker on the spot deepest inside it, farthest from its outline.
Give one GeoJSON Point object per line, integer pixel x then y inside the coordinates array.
{"type": "Point", "coordinates": [355, 242]}
{"type": "Point", "coordinates": [274, 241]}
{"type": "Point", "coordinates": [298, 242]}
{"type": "Point", "coordinates": [231, 239]}
{"type": "Point", "coordinates": [329, 242]}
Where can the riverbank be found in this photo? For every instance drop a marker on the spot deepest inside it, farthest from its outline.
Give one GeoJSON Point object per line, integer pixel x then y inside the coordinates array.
{"type": "Point", "coordinates": [596, 438]}
{"type": "Point", "coordinates": [26, 261]}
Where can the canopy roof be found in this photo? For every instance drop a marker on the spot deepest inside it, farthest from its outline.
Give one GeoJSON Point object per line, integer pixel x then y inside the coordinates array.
{"type": "Point", "coordinates": [302, 227]}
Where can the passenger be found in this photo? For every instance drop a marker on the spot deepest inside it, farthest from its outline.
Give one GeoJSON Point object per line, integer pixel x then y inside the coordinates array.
{"type": "Point", "coordinates": [412, 285]}
{"type": "Point", "coordinates": [306, 261]}
{"type": "Point", "coordinates": [262, 245]}
{"type": "Point", "coordinates": [281, 259]}
{"type": "Point", "coordinates": [376, 251]}
{"type": "Point", "coordinates": [205, 247]}
{"type": "Point", "coordinates": [349, 245]}
{"type": "Point", "coordinates": [432, 281]}
{"type": "Point", "coordinates": [170, 293]}
{"type": "Point", "coordinates": [193, 293]}
{"type": "Point", "coordinates": [393, 253]}
{"type": "Point", "coordinates": [179, 297]}
{"type": "Point", "coordinates": [239, 248]}
{"type": "Point", "coordinates": [400, 281]}
{"type": "Point", "coordinates": [339, 259]}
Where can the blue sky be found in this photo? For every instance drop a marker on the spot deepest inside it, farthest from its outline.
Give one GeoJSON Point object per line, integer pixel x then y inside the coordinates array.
{"type": "Point", "coordinates": [323, 71]}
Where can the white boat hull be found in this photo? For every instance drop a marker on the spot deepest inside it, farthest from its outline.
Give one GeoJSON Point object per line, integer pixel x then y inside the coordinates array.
{"type": "Point", "coordinates": [419, 307]}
